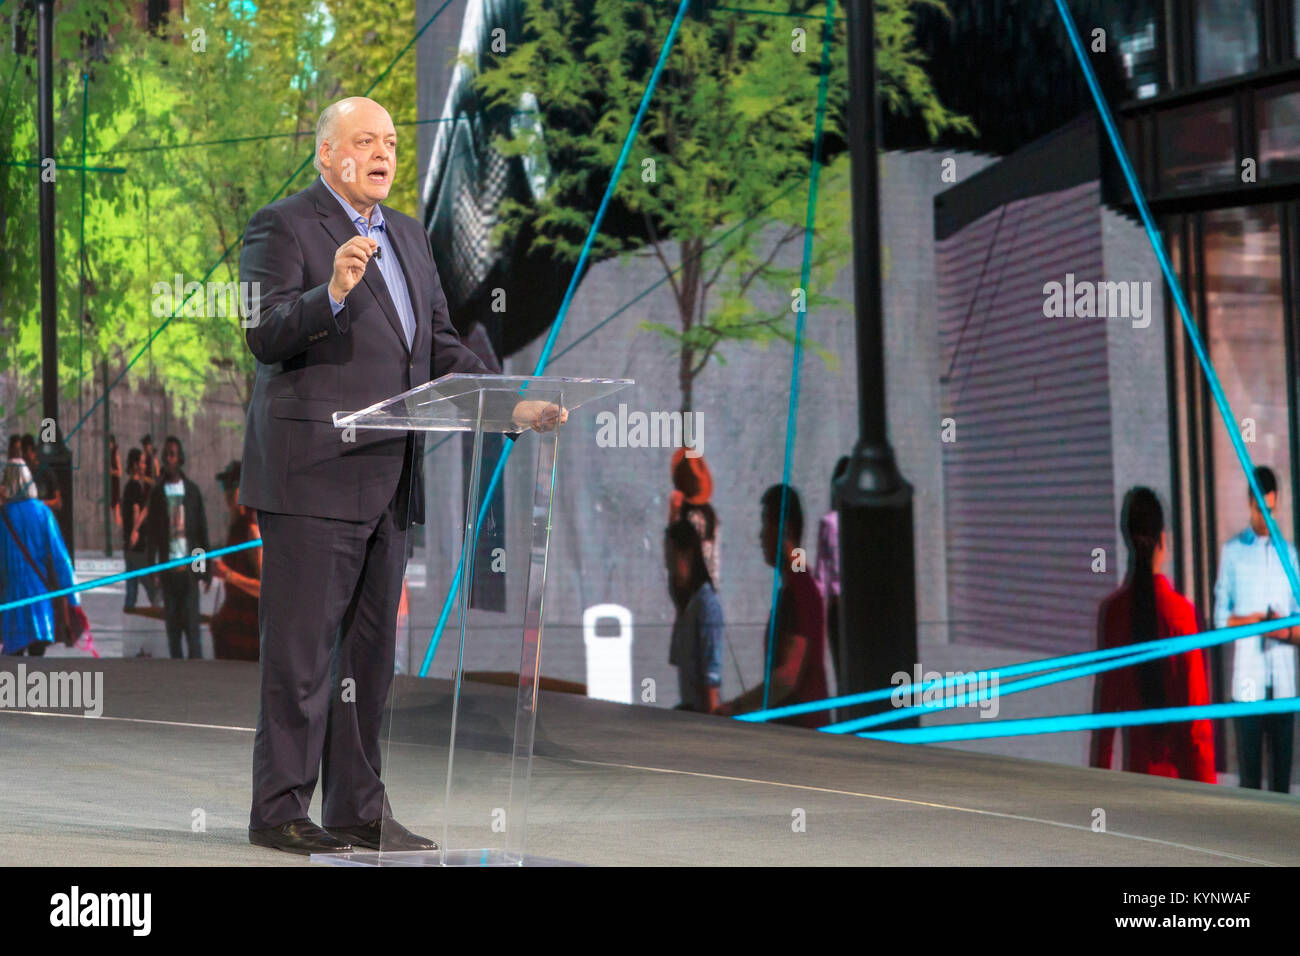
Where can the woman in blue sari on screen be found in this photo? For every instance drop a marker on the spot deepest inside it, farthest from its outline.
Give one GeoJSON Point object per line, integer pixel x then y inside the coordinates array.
{"type": "Point", "coordinates": [32, 559]}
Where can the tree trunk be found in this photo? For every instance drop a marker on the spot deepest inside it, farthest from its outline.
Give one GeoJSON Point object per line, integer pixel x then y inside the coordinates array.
{"type": "Point", "coordinates": [687, 305]}
{"type": "Point", "coordinates": [685, 380]}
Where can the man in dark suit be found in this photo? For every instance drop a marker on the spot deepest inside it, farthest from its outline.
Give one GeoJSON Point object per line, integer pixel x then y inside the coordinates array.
{"type": "Point", "coordinates": [350, 311]}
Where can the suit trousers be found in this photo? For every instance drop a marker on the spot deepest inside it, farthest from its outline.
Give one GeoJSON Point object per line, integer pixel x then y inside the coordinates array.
{"type": "Point", "coordinates": [328, 622]}
{"type": "Point", "coordinates": [1251, 731]}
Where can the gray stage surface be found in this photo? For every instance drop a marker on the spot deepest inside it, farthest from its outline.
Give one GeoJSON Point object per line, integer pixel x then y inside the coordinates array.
{"type": "Point", "coordinates": [162, 777]}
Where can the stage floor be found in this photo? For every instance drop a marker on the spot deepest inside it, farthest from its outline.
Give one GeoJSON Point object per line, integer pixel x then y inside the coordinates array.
{"type": "Point", "coordinates": [162, 777]}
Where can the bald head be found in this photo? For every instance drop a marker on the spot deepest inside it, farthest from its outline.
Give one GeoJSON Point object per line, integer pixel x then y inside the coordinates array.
{"type": "Point", "coordinates": [356, 151]}
{"type": "Point", "coordinates": [327, 127]}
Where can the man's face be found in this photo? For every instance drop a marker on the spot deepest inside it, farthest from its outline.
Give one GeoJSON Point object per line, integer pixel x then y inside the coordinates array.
{"type": "Point", "coordinates": [172, 458]}
{"type": "Point", "coordinates": [1257, 523]}
{"type": "Point", "coordinates": [361, 162]}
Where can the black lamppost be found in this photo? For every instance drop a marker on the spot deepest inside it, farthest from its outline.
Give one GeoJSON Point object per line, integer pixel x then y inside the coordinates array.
{"type": "Point", "coordinates": [53, 454]}
{"type": "Point", "coordinates": [877, 560]}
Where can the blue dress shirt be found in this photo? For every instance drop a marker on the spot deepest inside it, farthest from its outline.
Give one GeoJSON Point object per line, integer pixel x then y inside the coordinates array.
{"type": "Point", "coordinates": [389, 267]}
{"type": "Point", "coordinates": [1251, 581]}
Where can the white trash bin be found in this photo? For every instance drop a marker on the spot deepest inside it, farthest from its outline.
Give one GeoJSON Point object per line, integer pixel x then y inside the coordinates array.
{"type": "Point", "coordinates": [609, 659]}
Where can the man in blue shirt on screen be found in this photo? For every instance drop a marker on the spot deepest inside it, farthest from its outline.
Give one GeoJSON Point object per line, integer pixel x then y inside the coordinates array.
{"type": "Point", "coordinates": [1252, 587]}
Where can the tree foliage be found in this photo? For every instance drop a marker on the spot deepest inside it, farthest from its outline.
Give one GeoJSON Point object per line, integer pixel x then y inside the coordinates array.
{"type": "Point", "coordinates": [716, 186]}
{"type": "Point", "coordinates": [211, 116]}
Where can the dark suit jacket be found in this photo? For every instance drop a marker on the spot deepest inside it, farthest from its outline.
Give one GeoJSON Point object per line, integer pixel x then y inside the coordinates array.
{"type": "Point", "coordinates": [156, 526]}
{"type": "Point", "coordinates": [311, 363]}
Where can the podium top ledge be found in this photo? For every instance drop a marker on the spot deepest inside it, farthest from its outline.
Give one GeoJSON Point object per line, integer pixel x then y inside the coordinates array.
{"type": "Point", "coordinates": [465, 402]}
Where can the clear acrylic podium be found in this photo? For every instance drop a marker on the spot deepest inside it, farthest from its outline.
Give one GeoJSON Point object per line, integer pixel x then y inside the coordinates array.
{"type": "Point", "coordinates": [483, 798]}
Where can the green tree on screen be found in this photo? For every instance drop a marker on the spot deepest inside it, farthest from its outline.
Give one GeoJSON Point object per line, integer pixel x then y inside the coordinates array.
{"type": "Point", "coordinates": [211, 117]}
{"type": "Point", "coordinates": [716, 186]}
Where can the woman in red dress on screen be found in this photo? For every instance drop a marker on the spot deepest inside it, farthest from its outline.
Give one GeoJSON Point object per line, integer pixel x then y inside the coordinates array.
{"type": "Point", "coordinates": [1147, 608]}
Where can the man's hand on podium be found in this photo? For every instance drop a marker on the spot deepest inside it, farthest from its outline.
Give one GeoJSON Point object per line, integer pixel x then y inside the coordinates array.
{"type": "Point", "coordinates": [540, 416]}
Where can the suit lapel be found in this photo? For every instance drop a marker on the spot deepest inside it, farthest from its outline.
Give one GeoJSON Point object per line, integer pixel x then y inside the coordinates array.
{"type": "Point", "coordinates": [341, 229]}
{"type": "Point", "coordinates": [410, 264]}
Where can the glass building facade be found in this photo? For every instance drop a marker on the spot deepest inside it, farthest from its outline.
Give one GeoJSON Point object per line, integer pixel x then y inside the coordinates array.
{"type": "Point", "coordinates": [1217, 149]}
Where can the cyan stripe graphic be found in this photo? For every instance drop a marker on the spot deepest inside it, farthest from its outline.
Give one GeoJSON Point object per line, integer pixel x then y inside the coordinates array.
{"type": "Point", "coordinates": [1071, 722]}
{"type": "Point", "coordinates": [114, 578]}
{"type": "Point", "coordinates": [1169, 646]}
{"type": "Point", "coordinates": [1029, 683]}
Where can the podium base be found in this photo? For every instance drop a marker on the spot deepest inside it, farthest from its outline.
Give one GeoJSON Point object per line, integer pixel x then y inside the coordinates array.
{"type": "Point", "coordinates": [435, 858]}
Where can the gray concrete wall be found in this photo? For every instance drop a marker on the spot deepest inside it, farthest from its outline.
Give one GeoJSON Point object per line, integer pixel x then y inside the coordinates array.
{"type": "Point", "coordinates": [1136, 361]}
{"type": "Point", "coordinates": [1139, 379]}
{"type": "Point", "coordinates": [909, 183]}
{"type": "Point", "coordinates": [611, 503]}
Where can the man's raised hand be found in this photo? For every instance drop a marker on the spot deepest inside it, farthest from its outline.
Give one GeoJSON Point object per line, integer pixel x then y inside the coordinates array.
{"type": "Point", "coordinates": [350, 265]}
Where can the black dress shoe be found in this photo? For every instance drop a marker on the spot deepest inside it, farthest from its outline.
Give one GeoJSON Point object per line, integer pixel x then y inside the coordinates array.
{"type": "Point", "coordinates": [394, 836]}
{"type": "Point", "coordinates": [298, 836]}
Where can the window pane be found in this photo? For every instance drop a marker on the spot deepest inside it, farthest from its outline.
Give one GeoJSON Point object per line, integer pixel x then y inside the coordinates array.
{"type": "Point", "coordinates": [1295, 27]}
{"type": "Point", "coordinates": [1141, 55]}
{"type": "Point", "coordinates": [1227, 39]}
{"type": "Point", "coordinates": [1197, 145]}
{"type": "Point", "coordinates": [1278, 117]}
{"type": "Point", "coordinates": [1243, 298]}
